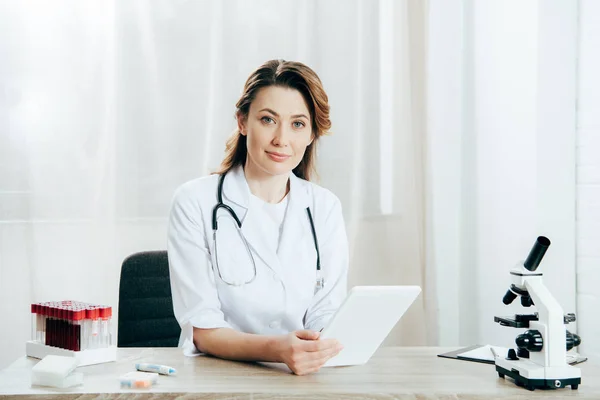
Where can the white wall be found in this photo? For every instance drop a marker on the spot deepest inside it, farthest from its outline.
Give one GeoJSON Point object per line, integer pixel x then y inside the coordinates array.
{"type": "Point", "coordinates": [588, 178]}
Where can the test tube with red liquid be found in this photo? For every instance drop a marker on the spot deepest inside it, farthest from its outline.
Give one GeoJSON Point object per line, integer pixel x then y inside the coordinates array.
{"type": "Point", "coordinates": [71, 325]}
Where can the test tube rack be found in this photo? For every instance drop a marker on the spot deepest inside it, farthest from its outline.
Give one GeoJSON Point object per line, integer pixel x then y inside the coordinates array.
{"type": "Point", "coordinates": [72, 329]}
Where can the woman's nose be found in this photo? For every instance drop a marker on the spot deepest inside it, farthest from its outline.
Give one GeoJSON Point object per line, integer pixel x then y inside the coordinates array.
{"type": "Point", "coordinates": [281, 137]}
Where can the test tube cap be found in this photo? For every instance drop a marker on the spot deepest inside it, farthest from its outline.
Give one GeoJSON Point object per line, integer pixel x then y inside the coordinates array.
{"type": "Point", "coordinates": [92, 313]}
{"type": "Point", "coordinates": [78, 315]}
{"type": "Point", "coordinates": [105, 312]}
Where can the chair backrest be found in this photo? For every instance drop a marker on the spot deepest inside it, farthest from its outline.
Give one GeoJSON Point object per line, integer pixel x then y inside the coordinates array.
{"type": "Point", "coordinates": [146, 316]}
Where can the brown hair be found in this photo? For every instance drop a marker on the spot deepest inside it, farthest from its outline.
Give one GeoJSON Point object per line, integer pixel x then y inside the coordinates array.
{"type": "Point", "coordinates": [289, 74]}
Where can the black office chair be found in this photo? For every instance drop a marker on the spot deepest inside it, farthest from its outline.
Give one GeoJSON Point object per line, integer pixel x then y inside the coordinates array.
{"type": "Point", "coordinates": [146, 316]}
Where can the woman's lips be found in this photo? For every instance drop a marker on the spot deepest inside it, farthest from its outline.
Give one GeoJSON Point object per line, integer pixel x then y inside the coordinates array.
{"type": "Point", "coordinates": [278, 157]}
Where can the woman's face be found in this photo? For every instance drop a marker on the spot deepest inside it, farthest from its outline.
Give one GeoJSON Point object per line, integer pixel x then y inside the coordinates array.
{"type": "Point", "coordinates": [278, 130]}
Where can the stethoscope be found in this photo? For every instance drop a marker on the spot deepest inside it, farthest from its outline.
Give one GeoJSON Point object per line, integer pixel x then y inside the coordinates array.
{"type": "Point", "coordinates": [320, 283]}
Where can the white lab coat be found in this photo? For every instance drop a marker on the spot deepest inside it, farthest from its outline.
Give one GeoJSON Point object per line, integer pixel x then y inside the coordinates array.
{"type": "Point", "coordinates": [281, 298]}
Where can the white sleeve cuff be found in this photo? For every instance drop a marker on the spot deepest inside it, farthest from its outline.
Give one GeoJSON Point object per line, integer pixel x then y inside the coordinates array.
{"type": "Point", "coordinates": [209, 319]}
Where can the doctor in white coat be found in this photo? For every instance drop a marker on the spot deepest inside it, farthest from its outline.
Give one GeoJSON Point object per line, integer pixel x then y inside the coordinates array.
{"type": "Point", "coordinates": [258, 276]}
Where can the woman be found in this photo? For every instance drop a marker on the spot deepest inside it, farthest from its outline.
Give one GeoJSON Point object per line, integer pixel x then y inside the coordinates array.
{"type": "Point", "coordinates": [253, 288]}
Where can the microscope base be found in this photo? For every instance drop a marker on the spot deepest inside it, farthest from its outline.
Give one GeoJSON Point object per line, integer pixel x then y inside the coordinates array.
{"type": "Point", "coordinates": [532, 384]}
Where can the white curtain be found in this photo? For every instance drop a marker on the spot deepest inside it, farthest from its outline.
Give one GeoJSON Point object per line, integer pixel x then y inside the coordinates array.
{"type": "Point", "coordinates": [501, 146]}
{"type": "Point", "coordinates": [107, 107]}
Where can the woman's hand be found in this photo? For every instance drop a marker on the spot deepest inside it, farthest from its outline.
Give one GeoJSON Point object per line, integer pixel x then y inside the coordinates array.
{"type": "Point", "coordinates": [303, 352]}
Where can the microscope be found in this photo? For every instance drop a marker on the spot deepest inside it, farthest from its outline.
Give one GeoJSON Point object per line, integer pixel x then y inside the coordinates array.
{"type": "Point", "coordinates": [541, 357]}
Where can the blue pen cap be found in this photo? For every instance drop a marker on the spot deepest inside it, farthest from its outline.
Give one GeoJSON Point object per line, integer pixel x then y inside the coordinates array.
{"type": "Point", "coordinates": [159, 369]}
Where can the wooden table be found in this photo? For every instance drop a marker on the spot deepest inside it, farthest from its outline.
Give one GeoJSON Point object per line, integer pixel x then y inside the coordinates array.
{"type": "Point", "coordinates": [392, 373]}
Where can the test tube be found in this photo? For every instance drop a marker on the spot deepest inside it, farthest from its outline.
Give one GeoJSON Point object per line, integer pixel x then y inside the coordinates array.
{"type": "Point", "coordinates": [46, 310]}
{"type": "Point", "coordinates": [105, 326]}
{"type": "Point", "coordinates": [62, 341]}
{"type": "Point", "coordinates": [50, 325]}
{"type": "Point", "coordinates": [71, 324]}
{"type": "Point", "coordinates": [54, 316]}
{"type": "Point", "coordinates": [67, 329]}
{"type": "Point", "coordinates": [93, 315]}
{"type": "Point", "coordinates": [54, 312]}
{"type": "Point", "coordinates": [38, 323]}
{"type": "Point", "coordinates": [71, 328]}
{"type": "Point", "coordinates": [64, 313]}
{"type": "Point", "coordinates": [96, 328]}
{"type": "Point", "coordinates": [34, 324]}
{"type": "Point", "coordinates": [78, 318]}
{"type": "Point", "coordinates": [55, 320]}
{"type": "Point", "coordinates": [87, 325]}
{"type": "Point", "coordinates": [72, 337]}
{"type": "Point", "coordinates": [56, 325]}
{"type": "Point", "coordinates": [44, 314]}
{"type": "Point", "coordinates": [81, 323]}
{"type": "Point", "coordinates": [61, 326]}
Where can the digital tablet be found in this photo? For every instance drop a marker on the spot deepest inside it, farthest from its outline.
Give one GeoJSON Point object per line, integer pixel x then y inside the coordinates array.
{"type": "Point", "coordinates": [366, 317]}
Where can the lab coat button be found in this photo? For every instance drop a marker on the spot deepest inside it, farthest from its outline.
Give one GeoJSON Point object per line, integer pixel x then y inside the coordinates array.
{"type": "Point", "coordinates": [274, 324]}
{"type": "Point", "coordinates": [275, 278]}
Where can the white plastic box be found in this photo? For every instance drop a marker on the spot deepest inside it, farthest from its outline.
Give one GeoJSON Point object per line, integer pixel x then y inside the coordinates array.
{"type": "Point", "coordinates": [84, 357]}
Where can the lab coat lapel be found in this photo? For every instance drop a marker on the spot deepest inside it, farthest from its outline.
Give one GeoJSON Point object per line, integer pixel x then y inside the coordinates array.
{"type": "Point", "coordinates": [237, 191]}
{"type": "Point", "coordinates": [254, 232]}
{"type": "Point", "coordinates": [296, 227]}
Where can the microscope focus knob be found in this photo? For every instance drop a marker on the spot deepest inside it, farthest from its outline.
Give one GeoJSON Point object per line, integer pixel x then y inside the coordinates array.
{"type": "Point", "coordinates": [573, 340]}
{"type": "Point", "coordinates": [570, 317]}
{"type": "Point", "coordinates": [531, 340]}
{"type": "Point", "coordinates": [526, 301]}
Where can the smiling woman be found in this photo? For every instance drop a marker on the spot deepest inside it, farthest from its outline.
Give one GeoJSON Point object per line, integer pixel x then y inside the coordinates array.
{"type": "Point", "coordinates": [276, 141]}
{"type": "Point", "coordinates": [256, 291]}
{"type": "Point", "coordinates": [295, 91]}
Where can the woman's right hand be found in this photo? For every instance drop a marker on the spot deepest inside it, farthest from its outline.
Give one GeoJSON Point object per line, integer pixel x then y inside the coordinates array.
{"type": "Point", "coordinates": [303, 352]}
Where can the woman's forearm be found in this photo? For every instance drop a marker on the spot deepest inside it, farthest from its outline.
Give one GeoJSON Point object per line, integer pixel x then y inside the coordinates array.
{"type": "Point", "coordinates": [233, 345]}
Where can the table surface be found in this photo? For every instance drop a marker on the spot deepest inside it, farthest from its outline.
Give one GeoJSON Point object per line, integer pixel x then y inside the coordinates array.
{"type": "Point", "coordinates": [392, 373]}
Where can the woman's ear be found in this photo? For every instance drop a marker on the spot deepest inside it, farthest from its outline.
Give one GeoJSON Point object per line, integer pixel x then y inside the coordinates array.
{"type": "Point", "coordinates": [241, 122]}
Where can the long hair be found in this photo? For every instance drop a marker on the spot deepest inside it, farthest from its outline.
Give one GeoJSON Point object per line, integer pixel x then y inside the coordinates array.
{"type": "Point", "coordinates": [288, 74]}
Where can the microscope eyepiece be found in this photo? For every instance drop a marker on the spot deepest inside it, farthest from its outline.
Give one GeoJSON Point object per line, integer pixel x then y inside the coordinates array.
{"type": "Point", "coordinates": [537, 253]}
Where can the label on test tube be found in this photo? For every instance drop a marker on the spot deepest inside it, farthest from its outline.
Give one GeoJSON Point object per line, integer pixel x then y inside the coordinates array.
{"type": "Point", "coordinates": [159, 369]}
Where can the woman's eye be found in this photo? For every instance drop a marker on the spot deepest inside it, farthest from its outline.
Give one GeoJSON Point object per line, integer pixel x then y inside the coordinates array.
{"type": "Point", "coordinates": [267, 120]}
{"type": "Point", "coordinates": [298, 124]}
